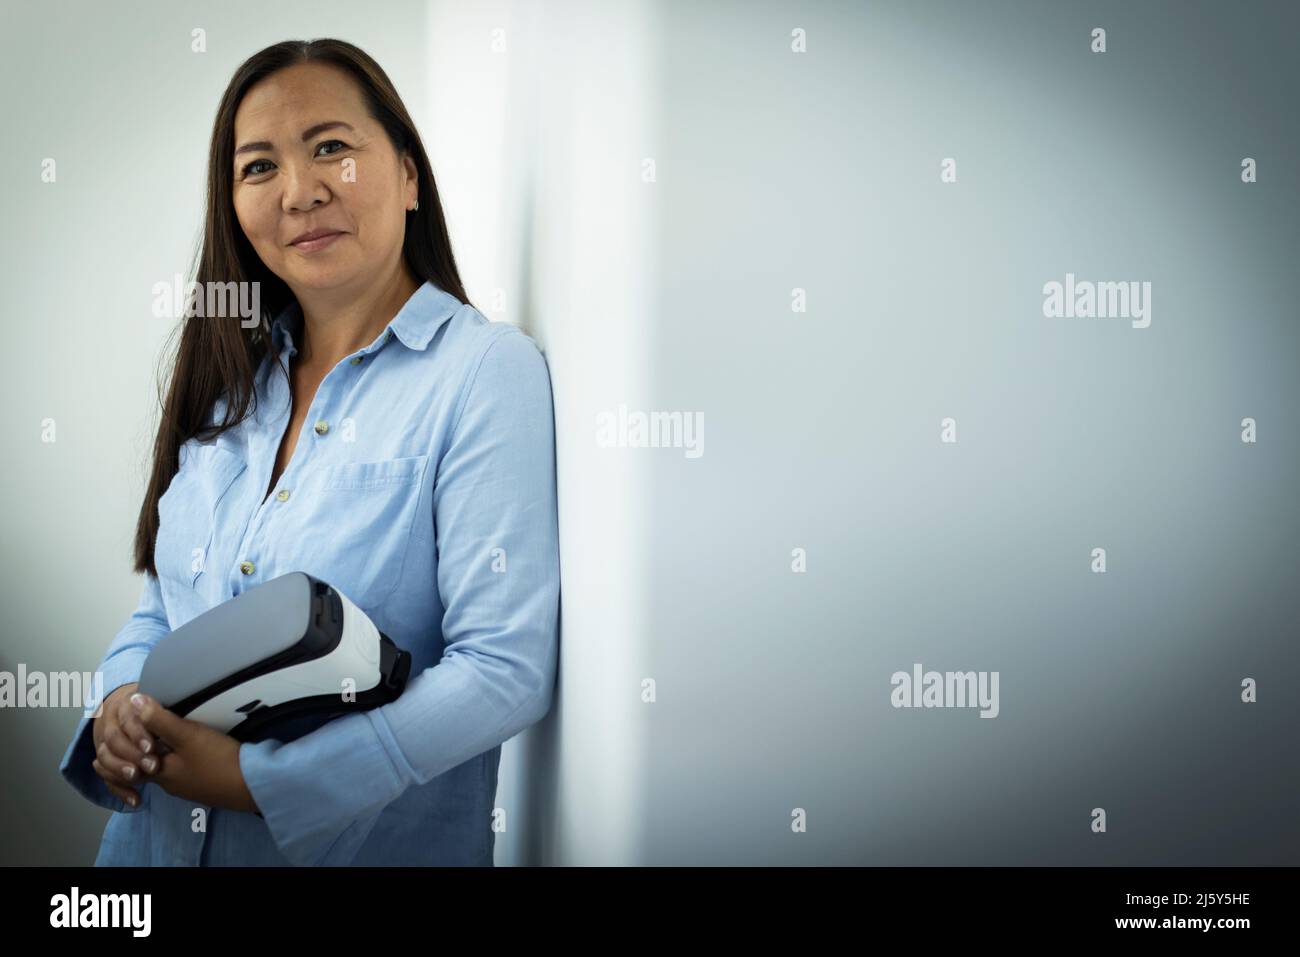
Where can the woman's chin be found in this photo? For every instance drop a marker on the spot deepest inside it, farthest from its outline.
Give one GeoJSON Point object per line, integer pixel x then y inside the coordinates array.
{"type": "Point", "coordinates": [321, 277]}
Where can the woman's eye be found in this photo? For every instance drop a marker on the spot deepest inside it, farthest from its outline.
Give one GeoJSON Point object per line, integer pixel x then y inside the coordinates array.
{"type": "Point", "coordinates": [255, 167]}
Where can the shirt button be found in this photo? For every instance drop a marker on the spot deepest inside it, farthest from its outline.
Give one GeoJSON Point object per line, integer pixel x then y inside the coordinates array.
{"type": "Point", "coordinates": [246, 567]}
{"type": "Point", "coordinates": [356, 360]}
{"type": "Point", "coordinates": [283, 495]}
{"type": "Point", "coordinates": [322, 427]}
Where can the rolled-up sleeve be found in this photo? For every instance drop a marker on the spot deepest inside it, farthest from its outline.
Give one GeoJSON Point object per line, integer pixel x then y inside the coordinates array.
{"type": "Point", "coordinates": [497, 541]}
{"type": "Point", "coordinates": [122, 664]}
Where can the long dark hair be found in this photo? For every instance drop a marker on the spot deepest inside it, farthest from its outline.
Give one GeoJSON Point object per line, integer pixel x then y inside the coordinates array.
{"type": "Point", "coordinates": [221, 358]}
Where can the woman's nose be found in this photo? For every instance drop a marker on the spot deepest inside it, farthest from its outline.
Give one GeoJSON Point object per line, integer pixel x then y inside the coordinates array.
{"type": "Point", "coordinates": [304, 190]}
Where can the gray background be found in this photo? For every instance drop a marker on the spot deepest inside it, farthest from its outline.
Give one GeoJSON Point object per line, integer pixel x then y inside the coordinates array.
{"type": "Point", "coordinates": [822, 431]}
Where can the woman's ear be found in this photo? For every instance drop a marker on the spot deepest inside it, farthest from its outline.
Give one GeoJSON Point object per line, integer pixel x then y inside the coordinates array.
{"type": "Point", "coordinates": [412, 180]}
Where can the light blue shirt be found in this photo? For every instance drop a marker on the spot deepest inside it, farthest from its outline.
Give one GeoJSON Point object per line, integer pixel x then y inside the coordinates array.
{"type": "Point", "coordinates": [422, 487]}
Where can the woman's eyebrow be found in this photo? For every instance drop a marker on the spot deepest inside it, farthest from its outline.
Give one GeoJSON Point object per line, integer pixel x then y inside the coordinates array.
{"type": "Point", "coordinates": [306, 135]}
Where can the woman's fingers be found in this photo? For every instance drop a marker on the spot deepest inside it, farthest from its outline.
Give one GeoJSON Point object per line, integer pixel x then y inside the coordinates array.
{"type": "Point", "coordinates": [145, 742]}
{"type": "Point", "coordinates": [117, 770]}
{"type": "Point", "coordinates": [124, 793]}
{"type": "Point", "coordinates": [127, 752]}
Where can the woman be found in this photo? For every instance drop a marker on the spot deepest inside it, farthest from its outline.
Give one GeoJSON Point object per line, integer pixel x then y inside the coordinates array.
{"type": "Point", "coordinates": [379, 434]}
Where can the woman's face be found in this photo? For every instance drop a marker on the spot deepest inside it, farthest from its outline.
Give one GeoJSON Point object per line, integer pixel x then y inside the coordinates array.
{"type": "Point", "coordinates": [319, 162]}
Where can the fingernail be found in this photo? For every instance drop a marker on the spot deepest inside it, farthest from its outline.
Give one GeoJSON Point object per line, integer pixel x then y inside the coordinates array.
{"type": "Point", "coordinates": [149, 764]}
{"type": "Point", "coordinates": [132, 800]}
{"type": "Point", "coordinates": [137, 699]}
{"type": "Point", "coordinates": [129, 771]}
{"type": "Point", "coordinates": [145, 746]}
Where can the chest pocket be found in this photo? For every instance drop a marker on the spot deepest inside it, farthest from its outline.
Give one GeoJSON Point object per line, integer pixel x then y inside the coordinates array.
{"type": "Point", "coordinates": [187, 512]}
{"type": "Point", "coordinates": [362, 515]}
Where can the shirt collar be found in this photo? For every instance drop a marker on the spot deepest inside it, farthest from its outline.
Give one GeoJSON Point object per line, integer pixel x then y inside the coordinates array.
{"type": "Point", "coordinates": [413, 326]}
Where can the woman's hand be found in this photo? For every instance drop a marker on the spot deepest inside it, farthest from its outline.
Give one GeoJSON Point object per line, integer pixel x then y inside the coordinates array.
{"type": "Point", "coordinates": [202, 764]}
{"type": "Point", "coordinates": [123, 747]}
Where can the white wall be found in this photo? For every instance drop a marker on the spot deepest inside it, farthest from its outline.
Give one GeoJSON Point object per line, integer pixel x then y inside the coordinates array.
{"type": "Point", "coordinates": [539, 116]}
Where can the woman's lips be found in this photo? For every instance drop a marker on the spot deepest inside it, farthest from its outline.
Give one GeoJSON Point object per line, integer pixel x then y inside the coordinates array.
{"type": "Point", "coordinates": [315, 245]}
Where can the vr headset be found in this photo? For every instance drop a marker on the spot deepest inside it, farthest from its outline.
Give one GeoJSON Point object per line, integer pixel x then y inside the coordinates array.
{"type": "Point", "coordinates": [289, 648]}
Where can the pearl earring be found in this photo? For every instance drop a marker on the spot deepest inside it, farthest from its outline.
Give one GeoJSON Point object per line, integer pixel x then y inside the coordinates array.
{"type": "Point", "coordinates": [416, 206]}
